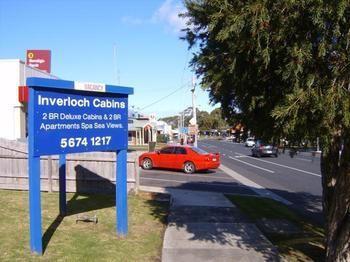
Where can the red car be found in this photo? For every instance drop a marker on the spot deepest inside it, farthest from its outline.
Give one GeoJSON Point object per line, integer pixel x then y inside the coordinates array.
{"type": "Point", "coordinates": [187, 158]}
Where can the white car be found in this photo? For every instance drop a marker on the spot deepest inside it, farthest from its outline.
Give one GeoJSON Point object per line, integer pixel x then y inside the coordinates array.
{"type": "Point", "coordinates": [249, 142]}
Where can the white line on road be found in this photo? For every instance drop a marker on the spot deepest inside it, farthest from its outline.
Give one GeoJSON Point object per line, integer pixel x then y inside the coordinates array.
{"type": "Point", "coordinates": [293, 168]}
{"type": "Point", "coordinates": [260, 190]}
{"type": "Point", "coordinates": [267, 170]}
{"type": "Point", "coordinates": [303, 159]}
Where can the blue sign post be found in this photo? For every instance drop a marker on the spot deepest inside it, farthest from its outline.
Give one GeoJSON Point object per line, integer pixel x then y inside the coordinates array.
{"type": "Point", "coordinates": [71, 117]}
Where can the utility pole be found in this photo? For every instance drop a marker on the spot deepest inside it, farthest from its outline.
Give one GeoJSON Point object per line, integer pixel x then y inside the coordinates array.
{"type": "Point", "coordinates": [194, 111]}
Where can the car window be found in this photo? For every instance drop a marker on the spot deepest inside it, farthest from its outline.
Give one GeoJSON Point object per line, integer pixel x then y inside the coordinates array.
{"type": "Point", "coordinates": [260, 143]}
{"type": "Point", "coordinates": [167, 150]}
{"type": "Point", "coordinates": [199, 151]}
{"type": "Point", "coordinates": [180, 151]}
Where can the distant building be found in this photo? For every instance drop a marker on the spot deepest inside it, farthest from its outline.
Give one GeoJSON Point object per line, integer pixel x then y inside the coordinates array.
{"type": "Point", "coordinates": [141, 131]}
{"type": "Point", "coordinates": [144, 129]}
{"type": "Point", "coordinates": [163, 128]}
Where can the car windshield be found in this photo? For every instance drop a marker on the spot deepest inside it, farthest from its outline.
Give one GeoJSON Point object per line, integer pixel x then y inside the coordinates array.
{"type": "Point", "coordinates": [262, 143]}
{"type": "Point", "coordinates": [199, 151]}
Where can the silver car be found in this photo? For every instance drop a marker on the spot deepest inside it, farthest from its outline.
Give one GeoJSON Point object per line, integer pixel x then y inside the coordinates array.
{"type": "Point", "coordinates": [263, 149]}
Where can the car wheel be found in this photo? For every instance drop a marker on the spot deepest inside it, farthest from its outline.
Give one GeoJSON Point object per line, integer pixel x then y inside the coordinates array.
{"type": "Point", "coordinates": [147, 164]}
{"type": "Point", "coordinates": [189, 168]}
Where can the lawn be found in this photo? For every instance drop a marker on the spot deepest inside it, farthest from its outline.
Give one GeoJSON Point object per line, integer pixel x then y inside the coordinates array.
{"type": "Point", "coordinates": [307, 245]}
{"type": "Point", "coordinates": [67, 240]}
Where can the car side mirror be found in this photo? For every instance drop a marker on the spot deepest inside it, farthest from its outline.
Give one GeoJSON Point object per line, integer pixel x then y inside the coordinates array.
{"type": "Point", "coordinates": [158, 152]}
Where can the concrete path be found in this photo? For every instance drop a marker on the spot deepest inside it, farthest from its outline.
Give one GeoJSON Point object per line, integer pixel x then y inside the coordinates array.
{"type": "Point", "coordinates": [206, 226]}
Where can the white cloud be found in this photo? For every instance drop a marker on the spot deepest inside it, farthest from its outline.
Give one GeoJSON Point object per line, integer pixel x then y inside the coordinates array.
{"type": "Point", "coordinates": [168, 13]}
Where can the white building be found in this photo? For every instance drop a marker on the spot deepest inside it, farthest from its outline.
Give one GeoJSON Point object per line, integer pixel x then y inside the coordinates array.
{"type": "Point", "coordinates": [163, 128]}
{"type": "Point", "coordinates": [13, 113]}
{"type": "Point", "coordinates": [141, 131]}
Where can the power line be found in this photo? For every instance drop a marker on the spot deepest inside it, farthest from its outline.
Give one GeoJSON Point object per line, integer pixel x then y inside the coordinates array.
{"type": "Point", "coordinates": [182, 85]}
{"type": "Point", "coordinates": [164, 97]}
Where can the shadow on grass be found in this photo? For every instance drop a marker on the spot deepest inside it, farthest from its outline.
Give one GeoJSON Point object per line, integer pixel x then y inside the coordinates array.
{"type": "Point", "coordinates": [103, 196]}
{"type": "Point", "coordinates": [83, 200]}
{"type": "Point", "coordinates": [159, 205]}
{"type": "Point", "coordinates": [50, 231]}
{"type": "Point", "coordinates": [301, 248]}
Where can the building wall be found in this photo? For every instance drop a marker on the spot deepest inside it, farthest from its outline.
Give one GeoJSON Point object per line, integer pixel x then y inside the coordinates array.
{"type": "Point", "coordinates": [9, 80]}
{"type": "Point", "coordinates": [13, 73]}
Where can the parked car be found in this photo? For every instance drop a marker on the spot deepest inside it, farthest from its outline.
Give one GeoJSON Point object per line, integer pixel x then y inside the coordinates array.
{"type": "Point", "coordinates": [263, 149]}
{"type": "Point", "coordinates": [249, 142]}
{"type": "Point", "coordinates": [187, 158]}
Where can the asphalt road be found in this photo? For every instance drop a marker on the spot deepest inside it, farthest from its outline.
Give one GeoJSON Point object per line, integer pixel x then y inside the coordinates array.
{"type": "Point", "coordinates": [296, 179]}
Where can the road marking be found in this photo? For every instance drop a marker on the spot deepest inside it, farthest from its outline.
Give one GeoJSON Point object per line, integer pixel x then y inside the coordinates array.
{"type": "Point", "coordinates": [293, 168]}
{"type": "Point", "coordinates": [260, 190]}
{"type": "Point", "coordinates": [267, 170]}
{"type": "Point", "coordinates": [303, 159]}
{"type": "Point", "coordinates": [193, 182]}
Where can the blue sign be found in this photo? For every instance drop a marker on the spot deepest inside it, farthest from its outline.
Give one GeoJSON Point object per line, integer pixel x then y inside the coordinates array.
{"type": "Point", "coordinates": [184, 130]}
{"type": "Point", "coordinates": [70, 117]}
{"type": "Point", "coordinates": [73, 121]}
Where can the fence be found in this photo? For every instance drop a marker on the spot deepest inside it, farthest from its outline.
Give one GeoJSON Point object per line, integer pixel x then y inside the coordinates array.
{"type": "Point", "coordinates": [86, 173]}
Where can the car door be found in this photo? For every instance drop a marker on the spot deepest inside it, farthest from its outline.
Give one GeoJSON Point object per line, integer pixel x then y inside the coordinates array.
{"type": "Point", "coordinates": [166, 157]}
{"type": "Point", "coordinates": [180, 157]}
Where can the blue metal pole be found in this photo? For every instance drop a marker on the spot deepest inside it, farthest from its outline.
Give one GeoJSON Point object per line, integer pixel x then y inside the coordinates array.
{"type": "Point", "coordinates": [35, 205]}
{"type": "Point", "coordinates": [121, 194]}
{"type": "Point", "coordinates": [62, 184]}
{"type": "Point", "coordinates": [36, 245]}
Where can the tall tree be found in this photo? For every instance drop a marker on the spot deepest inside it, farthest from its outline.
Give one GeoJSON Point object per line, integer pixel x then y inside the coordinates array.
{"type": "Point", "coordinates": [284, 64]}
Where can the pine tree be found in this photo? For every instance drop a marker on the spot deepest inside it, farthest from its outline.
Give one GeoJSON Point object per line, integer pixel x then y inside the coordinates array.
{"type": "Point", "coordinates": [284, 64]}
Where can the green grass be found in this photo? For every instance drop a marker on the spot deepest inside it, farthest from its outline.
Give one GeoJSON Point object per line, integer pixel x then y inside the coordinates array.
{"type": "Point", "coordinates": [66, 240]}
{"type": "Point", "coordinates": [304, 246]}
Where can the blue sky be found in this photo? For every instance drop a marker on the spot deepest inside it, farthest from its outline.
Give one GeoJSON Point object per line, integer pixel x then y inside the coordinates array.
{"type": "Point", "coordinates": [83, 36]}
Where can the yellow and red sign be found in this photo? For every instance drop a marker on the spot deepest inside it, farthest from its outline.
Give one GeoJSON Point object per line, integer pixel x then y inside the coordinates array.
{"type": "Point", "coordinates": [40, 59]}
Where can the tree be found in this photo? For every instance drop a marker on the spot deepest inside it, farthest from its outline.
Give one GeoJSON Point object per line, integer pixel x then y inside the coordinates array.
{"type": "Point", "coordinates": [286, 65]}
{"type": "Point", "coordinates": [205, 120]}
